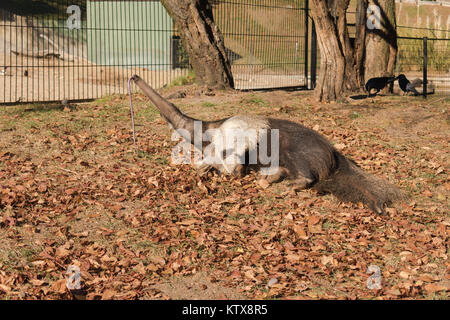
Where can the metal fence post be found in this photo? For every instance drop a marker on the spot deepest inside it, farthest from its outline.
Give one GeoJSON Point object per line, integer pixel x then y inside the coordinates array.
{"type": "Point", "coordinates": [425, 62]}
{"type": "Point", "coordinates": [313, 55]}
{"type": "Point", "coordinates": [174, 51]}
{"type": "Point", "coordinates": [306, 41]}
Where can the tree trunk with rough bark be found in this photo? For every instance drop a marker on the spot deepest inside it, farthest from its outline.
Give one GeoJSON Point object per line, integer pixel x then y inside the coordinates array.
{"type": "Point", "coordinates": [203, 41]}
{"type": "Point", "coordinates": [381, 41]}
{"type": "Point", "coordinates": [341, 66]}
{"type": "Point", "coordinates": [346, 65]}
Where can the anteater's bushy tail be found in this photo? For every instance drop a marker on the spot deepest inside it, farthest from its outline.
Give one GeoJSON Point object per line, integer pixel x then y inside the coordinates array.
{"type": "Point", "coordinates": [350, 183]}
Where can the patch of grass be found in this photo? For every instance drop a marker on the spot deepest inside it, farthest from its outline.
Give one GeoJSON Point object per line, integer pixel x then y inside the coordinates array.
{"type": "Point", "coordinates": [183, 80]}
{"type": "Point", "coordinates": [41, 108]}
{"type": "Point", "coordinates": [18, 257]}
{"type": "Point", "coordinates": [255, 100]}
{"type": "Point", "coordinates": [439, 296]}
{"type": "Point", "coordinates": [8, 125]}
{"type": "Point", "coordinates": [144, 244]}
{"type": "Point", "coordinates": [208, 104]}
{"type": "Point", "coordinates": [392, 260]}
{"type": "Point", "coordinates": [355, 115]}
{"type": "Point", "coordinates": [42, 111]}
{"type": "Point", "coordinates": [147, 114]}
{"type": "Point", "coordinates": [159, 159]}
{"type": "Point", "coordinates": [330, 224]}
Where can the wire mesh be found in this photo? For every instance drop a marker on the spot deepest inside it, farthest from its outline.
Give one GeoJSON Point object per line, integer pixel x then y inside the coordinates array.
{"type": "Point", "coordinates": [55, 50]}
{"type": "Point", "coordinates": [410, 57]}
{"type": "Point", "coordinates": [265, 41]}
{"type": "Point", "coordinates": [75, 50]}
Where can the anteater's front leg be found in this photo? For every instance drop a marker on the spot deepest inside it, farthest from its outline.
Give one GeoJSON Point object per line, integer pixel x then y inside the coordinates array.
{"type": "Point", "coordinates": [279, 175]}
{"type": "Point", "coordinates": [301, 183]}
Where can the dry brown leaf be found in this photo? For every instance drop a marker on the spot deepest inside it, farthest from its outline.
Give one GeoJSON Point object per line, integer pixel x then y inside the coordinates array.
{"type": "Point", "coordinates": [108, 294]}
{"type": "Point", "coordinates": [263, 183]}
{"type": "Point", "coordinates": [59, 286]}
{"type": "Point", "coordinates": [432, 288]}
{"type": "Point", "coordinates": [404, 274]}
{"type": "Point", "coordinates": [61, 252]}
{"type": "Point", "coordinates": [188, 222]}
{"type": "Point", "coordinates": [37, 282]}
{"type": "Point", "coordinates": [5, 288]}
{"type": "Point", "coordinates": [313, 225]}
{"type": "Point", "coordinates": [300, 231]}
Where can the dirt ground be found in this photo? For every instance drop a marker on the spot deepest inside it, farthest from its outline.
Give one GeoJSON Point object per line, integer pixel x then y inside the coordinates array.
{"type": "Point", "coordinates": [74, 193]}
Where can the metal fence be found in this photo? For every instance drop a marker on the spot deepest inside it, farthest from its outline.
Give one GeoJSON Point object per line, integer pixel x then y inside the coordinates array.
{"type": "Point", "coordinates": [427, 59]}
{"type": "Point", "coordinates": [418, 57]}
{"type": "Point", "coordinates": [267, 41]}
{"type": "Point", "coordinates": [54, 50]}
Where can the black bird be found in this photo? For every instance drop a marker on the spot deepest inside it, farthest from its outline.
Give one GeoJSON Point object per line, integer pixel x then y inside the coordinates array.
{"type": "Point", "coordinates": [378, 83]}
{"type": "Point", "coordinates": [406, 85]}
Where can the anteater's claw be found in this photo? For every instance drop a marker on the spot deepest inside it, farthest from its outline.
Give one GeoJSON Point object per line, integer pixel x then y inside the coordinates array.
{"type": "Point", "coordinates": [204, 169]}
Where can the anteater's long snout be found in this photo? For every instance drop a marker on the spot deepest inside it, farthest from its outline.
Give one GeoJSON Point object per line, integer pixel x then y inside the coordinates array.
{"type": "Point", "coordinates": [135, 77]}
{"type": "Point", "coordinates": [148, 91]}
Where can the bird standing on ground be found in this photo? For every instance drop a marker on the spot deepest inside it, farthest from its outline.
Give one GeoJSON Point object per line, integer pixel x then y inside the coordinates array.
{"type": "Point", "coordinates": [406, 85]}
{"type": "Point", "coordinates": [378, 84]}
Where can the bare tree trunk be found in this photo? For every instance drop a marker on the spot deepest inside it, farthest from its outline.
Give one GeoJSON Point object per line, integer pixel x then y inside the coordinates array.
{"type": "Point", "coordinates": [360, 36]}
{"type": "Point", "coordinates": [381, 42]}
{"type": "Point", "coordinates": [203, 41]}
{"type": "Point", "coordinates": [341, 67]}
